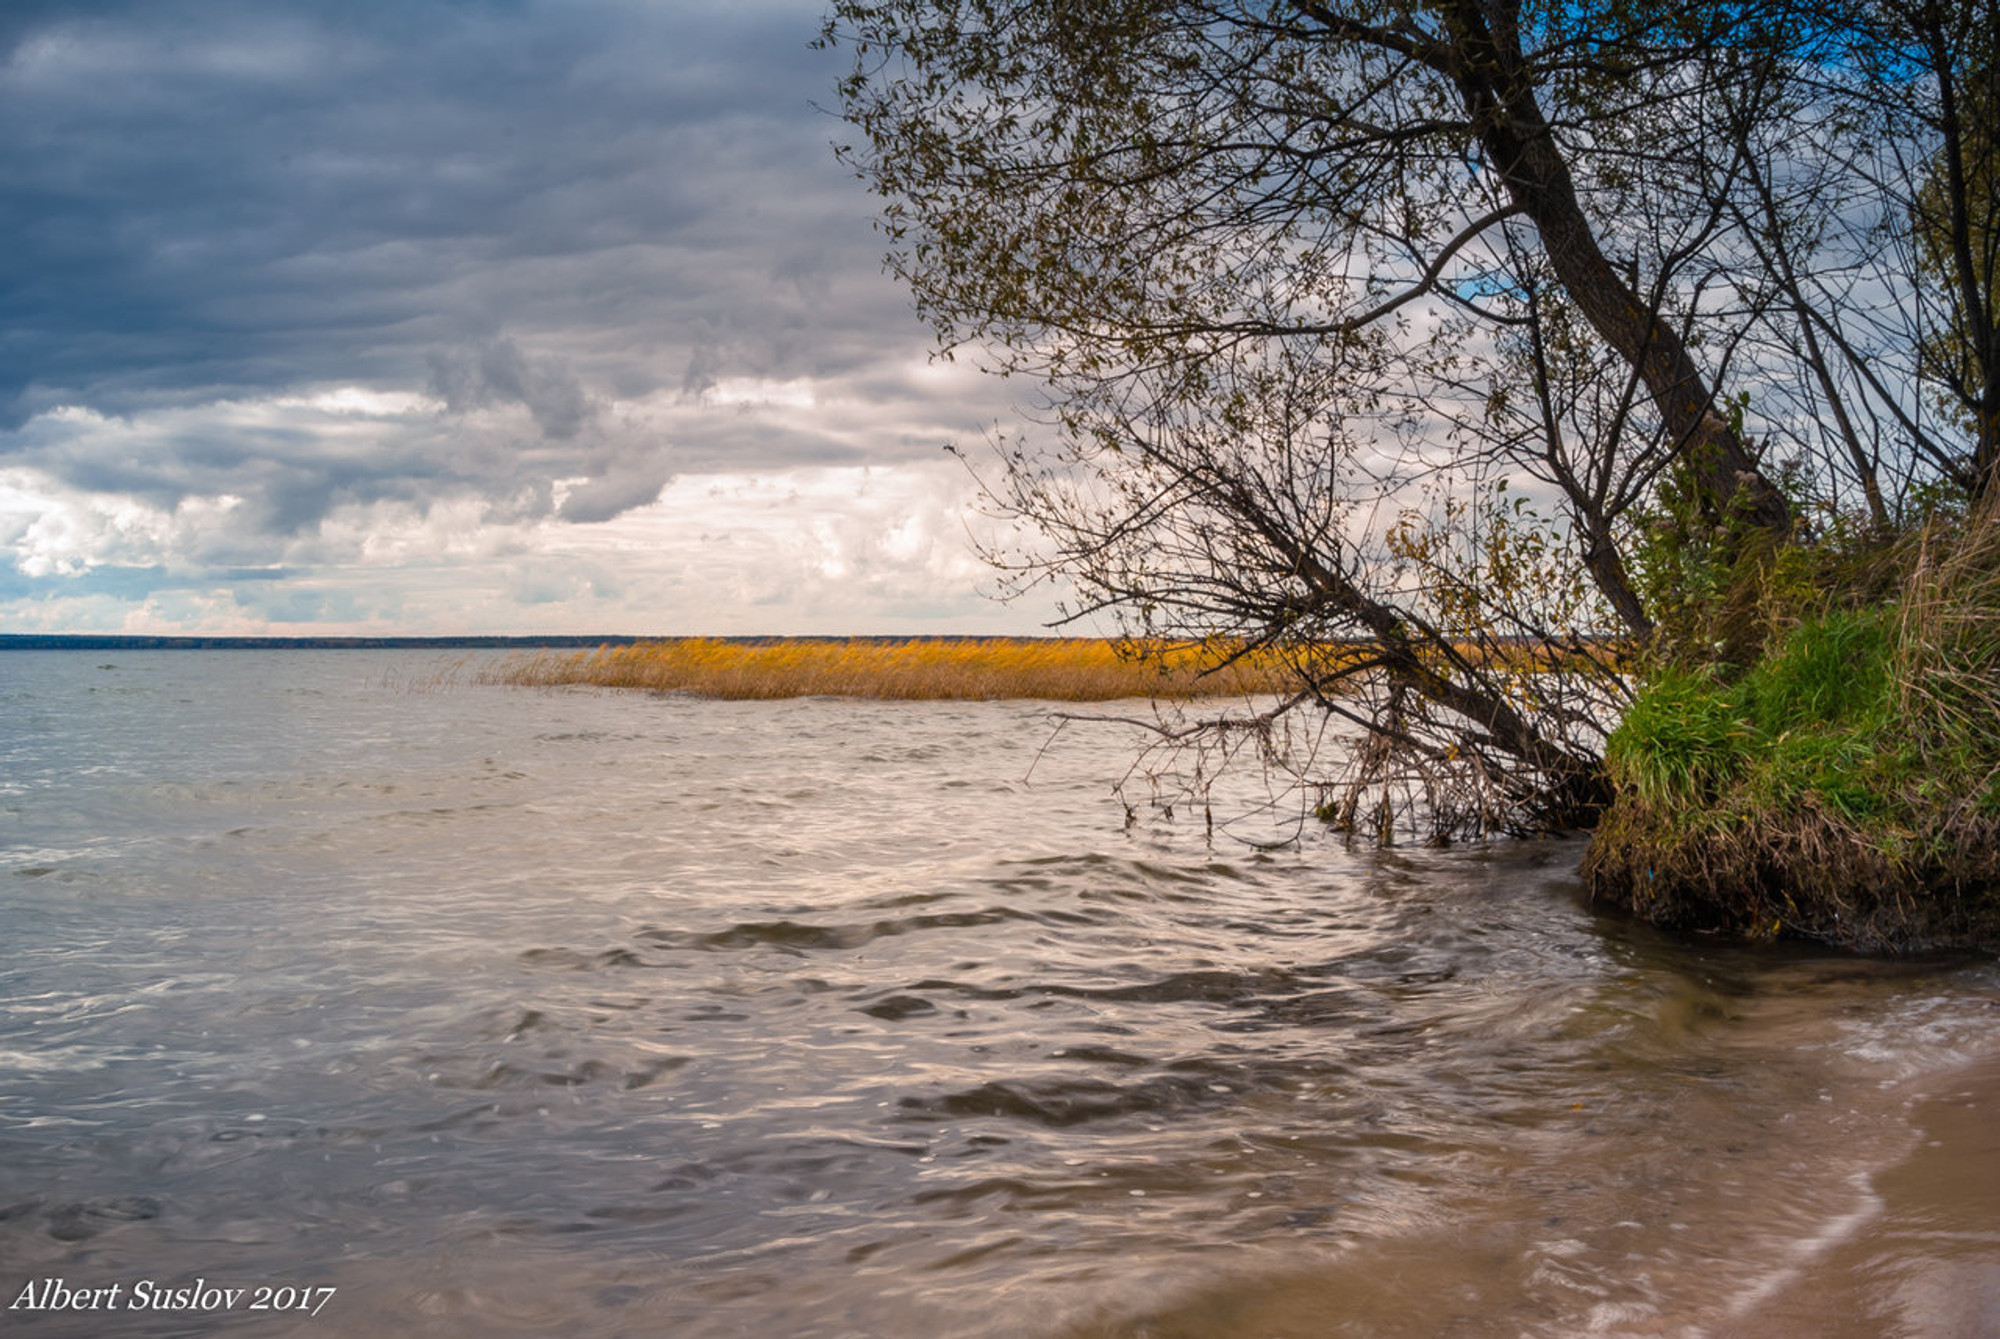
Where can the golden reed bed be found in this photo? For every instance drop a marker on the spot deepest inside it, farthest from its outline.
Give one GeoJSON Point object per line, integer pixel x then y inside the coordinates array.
{"type": "Point", "coordinates": [1067, 669]}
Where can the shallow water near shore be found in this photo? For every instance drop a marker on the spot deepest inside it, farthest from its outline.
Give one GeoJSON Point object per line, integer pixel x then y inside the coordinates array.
{"type": "Point", "coordinates": [513, 1013]}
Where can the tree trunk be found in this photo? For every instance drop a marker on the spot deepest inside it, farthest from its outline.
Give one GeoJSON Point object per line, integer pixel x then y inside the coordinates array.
{"type": "Point", "coordinates": [1490, 73]}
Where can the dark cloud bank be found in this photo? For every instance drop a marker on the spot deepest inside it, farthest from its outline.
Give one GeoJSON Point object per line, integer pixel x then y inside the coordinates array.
{"type": "Point", "coordinates": [522, 217]}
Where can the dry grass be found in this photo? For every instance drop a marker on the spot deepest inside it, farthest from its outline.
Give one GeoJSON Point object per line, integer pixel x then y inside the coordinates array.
{"type": "Point", "coordinates": [1067, 669]}
{"type": "Point", "coordinates": [1807, 873]}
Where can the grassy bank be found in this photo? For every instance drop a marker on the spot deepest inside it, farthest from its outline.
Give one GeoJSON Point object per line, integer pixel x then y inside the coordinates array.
{"type": "Point", "coordinates": [1067, 669]}
{"type": "Point", "coordinates": [1844, 785]}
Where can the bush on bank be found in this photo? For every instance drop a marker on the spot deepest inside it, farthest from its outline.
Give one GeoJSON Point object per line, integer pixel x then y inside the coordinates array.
{"type": "Point", "coordinates": [1844, 784]}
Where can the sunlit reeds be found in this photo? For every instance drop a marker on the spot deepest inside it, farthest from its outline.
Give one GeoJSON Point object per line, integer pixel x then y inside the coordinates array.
{"type": "Point", "coordinates": [1069, 669]}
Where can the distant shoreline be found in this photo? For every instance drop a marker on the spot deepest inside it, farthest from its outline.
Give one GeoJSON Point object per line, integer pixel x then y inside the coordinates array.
{"type": "Point", "coordinates": [92, 641]}
{"type": "Point", "coordinates": [934, 669]}
{"type": "Point", "coordinates": [132, 642]}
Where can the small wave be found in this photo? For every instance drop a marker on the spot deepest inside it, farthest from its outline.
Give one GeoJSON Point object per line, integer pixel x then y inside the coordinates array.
{"type": "Point", "coordinates": [1213, 986]}
{"type": "Point", "coordinates": [80, 1220]}
{"type": "Point", "coordinates": [1062, 1102]}
{"type": "Point", "coordinates": [1098, 1055]}
{"type": "Point", "coordinates": [507, 1075]}
{"type": "Point", "coordinates": [504, 1075]}
{"type": "Point", "coordinates": [577, 961]}
{"type": "Point", "coordinates": [1800, 1254]}
{"type": "Point", "coordinates": [895, 1008]}
{"type": "Point", "coordinates": [799, 937]}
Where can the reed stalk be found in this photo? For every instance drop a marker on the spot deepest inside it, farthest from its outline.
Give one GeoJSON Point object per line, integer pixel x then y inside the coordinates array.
{"type": "Point", "coordinates": [1063, 669]}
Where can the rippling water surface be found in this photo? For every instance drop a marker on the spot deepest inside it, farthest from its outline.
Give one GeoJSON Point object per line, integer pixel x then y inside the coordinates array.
{"type": "Point", "coordinates": [507, 1013]}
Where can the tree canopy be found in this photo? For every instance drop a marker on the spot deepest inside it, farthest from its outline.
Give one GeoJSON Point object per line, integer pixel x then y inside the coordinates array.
{"type": "Point", "coordinates": [1505, 340]}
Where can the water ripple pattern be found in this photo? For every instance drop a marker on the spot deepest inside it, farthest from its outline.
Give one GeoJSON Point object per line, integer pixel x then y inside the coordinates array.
{"type": "Point", "coordinates": [513, 1013]}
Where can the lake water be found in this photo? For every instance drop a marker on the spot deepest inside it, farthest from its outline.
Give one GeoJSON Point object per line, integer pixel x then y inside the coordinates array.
{"type": "Point", "coordinates": [500, 1012]}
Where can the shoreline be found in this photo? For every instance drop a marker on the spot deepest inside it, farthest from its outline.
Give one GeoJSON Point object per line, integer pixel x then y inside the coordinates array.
{"type": "Point", "coordinates": [1926, 1262]}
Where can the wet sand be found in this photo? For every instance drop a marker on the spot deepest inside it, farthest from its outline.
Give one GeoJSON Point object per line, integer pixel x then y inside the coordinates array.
{"type": "Point", "coordinates": [1909, 1251]}
{"type": "Point", "coordinates": [1926, 1265]}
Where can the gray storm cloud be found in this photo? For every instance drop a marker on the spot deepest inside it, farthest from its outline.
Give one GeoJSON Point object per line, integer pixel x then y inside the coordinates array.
{"type": "Point", "coordinates": [278, 274]}
{"type": "Point", "coordinates": [616, 491]}
{"type": "Point", "coordinates": [499, 373]}
{"type": "Point", "coordinates": [547, 206]}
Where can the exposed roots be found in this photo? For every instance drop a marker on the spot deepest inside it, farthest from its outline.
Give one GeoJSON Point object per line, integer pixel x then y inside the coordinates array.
{"type": "Point", "coordinates": [1802, 875]}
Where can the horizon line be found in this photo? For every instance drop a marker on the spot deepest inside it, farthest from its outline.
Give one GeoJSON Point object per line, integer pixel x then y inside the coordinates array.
{"type": "Point", "coordinates": [143, 641]}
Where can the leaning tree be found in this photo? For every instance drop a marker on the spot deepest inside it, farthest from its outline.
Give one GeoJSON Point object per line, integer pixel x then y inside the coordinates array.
{"type": "Point", "coordinates": [1447, 350]}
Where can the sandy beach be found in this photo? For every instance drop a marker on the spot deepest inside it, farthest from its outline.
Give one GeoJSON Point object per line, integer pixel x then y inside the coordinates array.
{"type": "Point", "coordinates": [1926, 1263]}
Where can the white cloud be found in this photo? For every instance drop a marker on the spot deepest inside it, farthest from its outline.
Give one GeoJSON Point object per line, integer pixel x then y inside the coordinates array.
{"type": "Point", "coordinates": [859, 549]}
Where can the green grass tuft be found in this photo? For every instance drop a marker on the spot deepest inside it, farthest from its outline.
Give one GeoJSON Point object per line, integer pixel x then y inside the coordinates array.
{"type": "Point", "coordinates": [1817, 721]}
{"type": "Point", "coordinates": [1682, 742]}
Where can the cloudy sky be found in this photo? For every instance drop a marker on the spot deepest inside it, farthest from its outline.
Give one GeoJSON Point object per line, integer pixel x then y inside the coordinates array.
{"type": "Point", "coordinates": [507, 316]}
